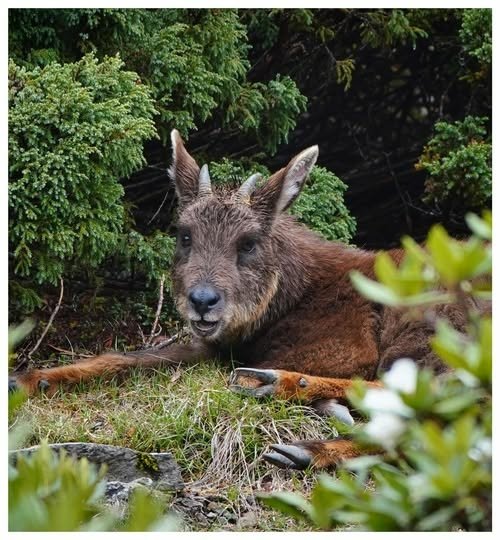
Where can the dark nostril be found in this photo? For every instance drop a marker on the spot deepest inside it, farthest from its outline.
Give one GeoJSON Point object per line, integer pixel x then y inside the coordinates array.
{"type": "Point", "coordinates": [204, 298]}
{"type": "Point", "coordinates": [214, 300]}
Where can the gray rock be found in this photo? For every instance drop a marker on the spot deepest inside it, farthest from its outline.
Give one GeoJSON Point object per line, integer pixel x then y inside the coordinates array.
{"type": "Point", "coordinates": [124, 464]}
{"type": "Point", "coordinates": [247, 520]}
{"type": "Point", "coordinates": [201, 519]}
{"type": "Point", "coordinates": [118, 493]}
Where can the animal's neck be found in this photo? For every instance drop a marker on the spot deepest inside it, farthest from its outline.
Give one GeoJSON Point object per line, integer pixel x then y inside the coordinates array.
{"type": "Point", "coordinates": [305, 263]}
{"type": "Point", "coordinates": [295, 265]}
{"type": "Point", "coordinates": [306, 258]}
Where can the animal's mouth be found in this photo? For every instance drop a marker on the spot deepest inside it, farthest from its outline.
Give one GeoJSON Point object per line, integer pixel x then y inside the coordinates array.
{"type": "Point", "coordinates": [205, 328]}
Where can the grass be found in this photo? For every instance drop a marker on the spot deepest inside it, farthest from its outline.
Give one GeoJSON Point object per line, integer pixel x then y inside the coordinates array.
{"type": "Point", "coordinates": [216, 436]}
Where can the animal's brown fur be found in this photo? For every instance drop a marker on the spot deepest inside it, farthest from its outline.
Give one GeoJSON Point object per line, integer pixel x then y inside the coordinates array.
{"type": "Point", "coordinates": [308, 388]}
{"type": "Point", "coordinates": [288, 304]}
{"type": "Point", "coordinates": [325, 453]}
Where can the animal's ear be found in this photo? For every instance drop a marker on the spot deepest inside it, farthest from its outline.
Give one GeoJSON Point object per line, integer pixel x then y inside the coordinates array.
{"type": "Point", "coordinates": [184, 170]}
{"type": "Point", "coordinates": [284, 186]}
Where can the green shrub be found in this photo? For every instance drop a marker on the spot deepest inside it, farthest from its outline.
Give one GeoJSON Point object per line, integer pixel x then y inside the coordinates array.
{"type": "Point", "coordinates": [74, 130]}
{"type": "Point", "coordinates": [269, 111]}
{"type": "Point", "coordinates": [320, 206]}
{"type": "Point", "coordinates": [47, 493]}
{"type": "Point", "coordinates": [475, 34]}
{"type": "Point", "coordinates": [458, 161]}
{"type": "Point", "coordinates": [50, 492]}
{"type": "Point", "coordinates": [194, 68]}
{"type": "Point", "coordinates": [194, 61]}
{"type": "Point", "coordinates": [150, 256]}
{"type": "Point", "coordinates": [232, 173]}
{"type": "Point", "coordinates": [196, 65]}
{"type": "Point", "coordinates": [386, 28]}
{"type": "Point", "coordinates": [37, 36]}
{"type": "Point", "coordinates": [436, 472]}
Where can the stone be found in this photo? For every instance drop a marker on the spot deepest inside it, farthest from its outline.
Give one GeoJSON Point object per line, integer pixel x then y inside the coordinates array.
{"type": "Point", "coordinates": [247, 520]}
{"type": "Point", "coordinates": [156, 470]}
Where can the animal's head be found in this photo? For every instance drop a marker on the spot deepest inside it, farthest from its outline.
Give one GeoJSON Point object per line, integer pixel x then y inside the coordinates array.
{"type": "Point", "coordinates": [226, 269]}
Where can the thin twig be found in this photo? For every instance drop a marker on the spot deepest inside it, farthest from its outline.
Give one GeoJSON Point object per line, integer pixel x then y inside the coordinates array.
{"type": "Point", "coordinates": [70, 353]}
{"type": "Point", "coordinates": [143, 337]}
{"type": "Point", "coordinates": [49, 324]}
{"type": "Point", "coordinates": [168, 341]}
{"type": "Point", "coordinates": [158, 311]}
{"type": "Point", "coordinates": [160, 207]}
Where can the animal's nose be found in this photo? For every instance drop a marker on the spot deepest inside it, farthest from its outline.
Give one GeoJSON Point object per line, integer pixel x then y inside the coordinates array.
{"type": "Point", "coordinates": [204, 298]}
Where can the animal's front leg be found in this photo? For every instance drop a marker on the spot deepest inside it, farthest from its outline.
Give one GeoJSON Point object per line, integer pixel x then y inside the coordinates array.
{"type": "Point", "coordinates": [322, 393]}
{"type": "Point", "coordinates": [106, 365]}
{"type": "Point", "coordinates": [316, 453]}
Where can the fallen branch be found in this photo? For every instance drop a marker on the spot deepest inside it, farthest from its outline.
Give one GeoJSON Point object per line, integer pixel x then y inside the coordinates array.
{"type": "Point", "coordinates": [49, 324]}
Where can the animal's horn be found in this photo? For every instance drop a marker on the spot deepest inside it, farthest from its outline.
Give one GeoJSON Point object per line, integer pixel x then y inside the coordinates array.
{"type": "Point", "coordinates": [204, 185]}
{"type": "Point", "coordinates": [248, 187]}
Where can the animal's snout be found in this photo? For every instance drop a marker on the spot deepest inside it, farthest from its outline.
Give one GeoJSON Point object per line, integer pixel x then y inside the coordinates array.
{"type": "Point", "coordinates": [204, 298]}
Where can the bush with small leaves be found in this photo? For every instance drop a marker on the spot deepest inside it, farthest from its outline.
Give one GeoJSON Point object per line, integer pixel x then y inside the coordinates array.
{"type": "Point", "coordinates": [233, 173]}
{"type": "Point", "coordinates": [321, 206]}
{"type": "Point", "coordinates": [50, 492]}
{"type": "Point", "coordinates": [435, 473]}
{"type": "Point", "coordinates": [74, 130]}
{"type": "Point", "coordinates": [458, 161]}
{"type": "Point", "coordinates": [269, 111]}
{"type": "Point", "coordinates": [194, 61]}
{"type": "Point", "coordinates": [149, 256]}
{"type": "Point", "coordinates": [475, 34]}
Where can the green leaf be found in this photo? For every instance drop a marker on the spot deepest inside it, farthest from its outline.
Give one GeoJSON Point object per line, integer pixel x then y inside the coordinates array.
{"type": "Point", "coordinates": [454, 405]}
{"type": "Point", "coordinates": [438, 520]}
{"type": "Point", "coordinates": [291, 504]}
{"type": "Point", "coordinates": [415, 250]}
{"type": "Point", "coordinates": [449, 345]}
{"type": "Point", "coordinates": [148, 514]}
{"type": "Point", "coordinates": [484, 369]}
{"type": "Point", "coordinates": [480, 227]}
{"type": "Point", "coordinates": [385, 269]}
{"type": "Point", "coordinates": [444, 254]}
{"type": "Point", "coordinates": [374, 291]}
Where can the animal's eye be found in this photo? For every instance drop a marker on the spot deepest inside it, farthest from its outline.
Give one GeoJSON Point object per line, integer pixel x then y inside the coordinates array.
{"type": "Point", "coordinates": [247, 245]}
{"type": "Point", "coordinates": [185, 238]}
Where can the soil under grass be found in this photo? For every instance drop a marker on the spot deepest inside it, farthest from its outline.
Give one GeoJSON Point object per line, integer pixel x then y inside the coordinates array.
{"type": "Point", "coordinates": [216, 436]}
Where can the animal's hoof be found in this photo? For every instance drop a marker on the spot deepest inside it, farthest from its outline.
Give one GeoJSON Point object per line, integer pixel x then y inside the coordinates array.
{"type": "Point", "coordinates": [331, 407]}
{"type": "Point", "coordinates": [13, 386]}
{"type": "Point", "coordinates": [289, 456]}
{"type": "Point", "coordinates": [242, 379]}
{"type": "Point", "coordinates": [43, 385]}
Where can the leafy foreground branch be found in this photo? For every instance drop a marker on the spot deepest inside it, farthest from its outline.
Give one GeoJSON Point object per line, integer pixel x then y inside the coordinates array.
{"type": "Point", "coordinates": [48, 492]}
{"type": "Point", "coordinates": [434, 473]}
